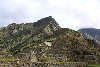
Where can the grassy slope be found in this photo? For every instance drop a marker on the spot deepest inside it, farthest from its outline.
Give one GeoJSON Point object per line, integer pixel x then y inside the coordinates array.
{"type": "Point", "coordinates": [94, 65]}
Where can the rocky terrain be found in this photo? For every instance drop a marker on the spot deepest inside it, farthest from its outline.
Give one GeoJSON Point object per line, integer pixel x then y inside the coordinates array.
{"type": "Point", "coordinates": [45, 44]}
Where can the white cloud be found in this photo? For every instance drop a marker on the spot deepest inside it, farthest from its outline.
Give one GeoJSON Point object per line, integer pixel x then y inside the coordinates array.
{"type": "Point", "coordinates": [68, 13]}
{"type": "Point", "coordinates": [58, 3]}
{"type": "Point", "coordinates": [75, 10]}
{"type": "Point", "coordinates": [67, 21]}
{"type": "Point", "coordinates": [25, 5]}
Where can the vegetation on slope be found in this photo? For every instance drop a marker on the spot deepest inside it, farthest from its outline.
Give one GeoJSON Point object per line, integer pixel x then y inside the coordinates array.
{"type": "Point", "coordinates": [46, 41]}
{"type": "Point", "coordinates": [16, 37]}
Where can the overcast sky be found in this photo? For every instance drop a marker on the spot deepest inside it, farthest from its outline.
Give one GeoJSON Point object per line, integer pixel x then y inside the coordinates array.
{"type": "Point", "coordinates": [73, 14]}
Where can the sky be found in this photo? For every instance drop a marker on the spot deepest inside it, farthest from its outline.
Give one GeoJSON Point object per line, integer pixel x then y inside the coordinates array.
{"type": "Point", "coordinates": [74, 14]}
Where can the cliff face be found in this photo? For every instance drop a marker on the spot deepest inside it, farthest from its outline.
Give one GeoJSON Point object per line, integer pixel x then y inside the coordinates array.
{"type": "Point", "coordinates": [44, 42]}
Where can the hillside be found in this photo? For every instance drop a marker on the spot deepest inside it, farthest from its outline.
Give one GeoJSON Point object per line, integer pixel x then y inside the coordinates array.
{"type": "Point", "coordinates": [17, 37]}
{"type": "Point", "coordinates": [44, 43]}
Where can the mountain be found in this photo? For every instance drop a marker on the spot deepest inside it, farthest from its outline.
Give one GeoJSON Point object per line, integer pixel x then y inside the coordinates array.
{"type": "Point", "coordinates": [45, 44]}
{"type": "Point", "coordinates": [95, 33]}
{"type": "Point", "coordinates": [16, 37]}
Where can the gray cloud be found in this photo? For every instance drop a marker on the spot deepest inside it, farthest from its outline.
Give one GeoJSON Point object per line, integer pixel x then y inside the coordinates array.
{"type": "Point", "coordinates": [73, 14]}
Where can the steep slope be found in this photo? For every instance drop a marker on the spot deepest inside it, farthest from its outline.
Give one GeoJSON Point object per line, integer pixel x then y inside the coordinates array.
{"type": "Point", "coordinates": [70, 46]}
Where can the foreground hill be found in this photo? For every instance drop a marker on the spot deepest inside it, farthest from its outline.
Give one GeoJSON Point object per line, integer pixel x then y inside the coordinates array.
{"type": "Point", "coordinates": [17, 37]}
{"type": "Point", "coordinates": [44, 43]}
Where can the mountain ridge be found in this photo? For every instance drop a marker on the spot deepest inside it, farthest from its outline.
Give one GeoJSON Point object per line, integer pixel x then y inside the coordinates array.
{"type": "Point", "coordinates": [45, 41]}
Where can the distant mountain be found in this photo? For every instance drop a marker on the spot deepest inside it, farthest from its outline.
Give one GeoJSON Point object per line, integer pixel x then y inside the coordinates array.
{"type": "Point", "coordinates": [95, 33]}
{"type": "Point", "coordinates": [44, 43]}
